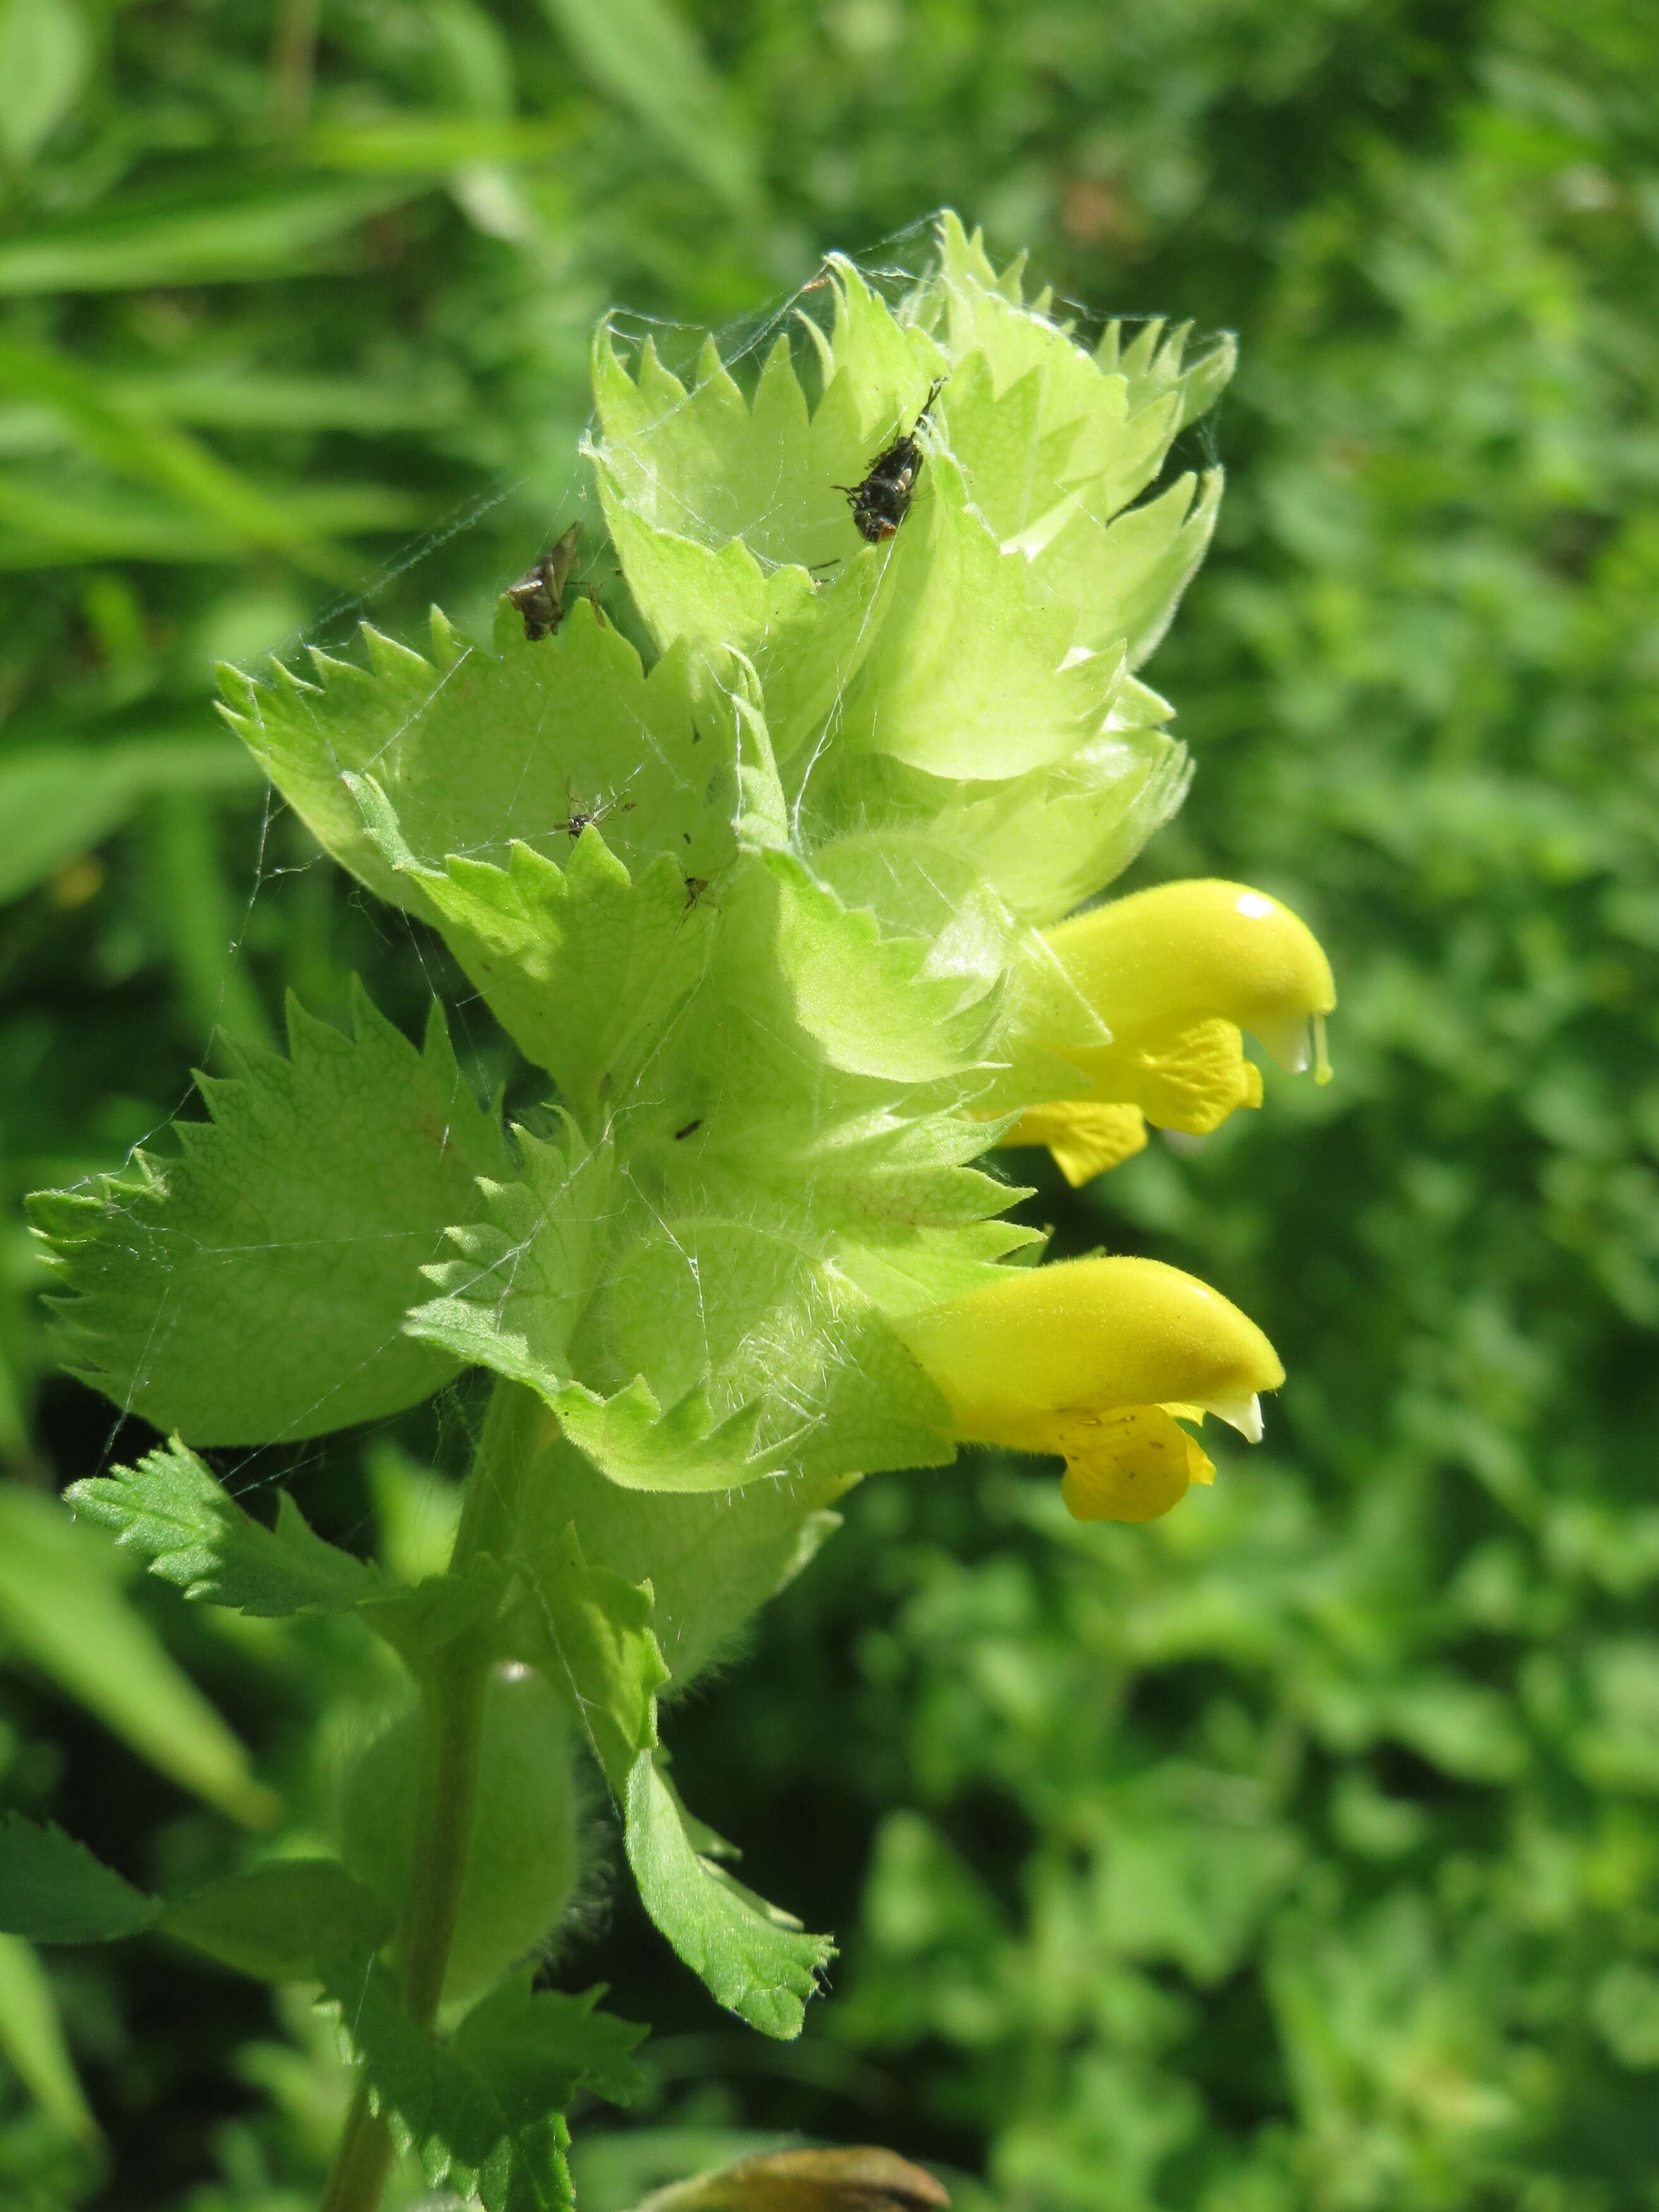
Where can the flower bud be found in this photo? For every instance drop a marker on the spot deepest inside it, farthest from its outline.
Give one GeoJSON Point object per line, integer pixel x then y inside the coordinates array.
{"type": "Point", "coordinates": [856, 2180]}
{"type": "Point", "coordinates": [1096, 1359]}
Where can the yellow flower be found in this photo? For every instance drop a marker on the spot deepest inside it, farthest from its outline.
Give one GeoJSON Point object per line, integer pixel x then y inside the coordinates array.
{"type": "Point", "coordinates": [1099, 1360]}
{"type": "Point", "coordinates": [1172, 976]}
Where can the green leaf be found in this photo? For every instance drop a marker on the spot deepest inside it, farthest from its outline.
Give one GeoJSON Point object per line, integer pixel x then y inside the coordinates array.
{"type": "Point", "coordinates": [476, 749]}
{"type": "Point", "coordinates": [682, 1352]}
{"type": "Point", "coordinates": [711, 1561]}
{"type": "Point", "coordinates": [254, 1288]}
{"type": "Point", "coordinates": [33, 2040]}
{"type": "Point", "coordinates": [1048, 841]}
{"type": "Point", "coordinates": [755, 1960]}
{"type": "Point", "coordinates": [124, 439]}
{"type": "Point", "coordinates": [712, 596]}
{"type": "Point", "coordinates": [62, 1609]}
{"type": "Point", "coordinates": [536, 2048]}
{"type": "Point", "coordinates": [600, 1626]}
{"type": "Point", "coordinates": [988, 638]}
{"type": "Point", "coordinates": [431, 144]}
{"type": "Point", "coordinates": [59, 800]}
{"type": "Point", "coordinates": [228, 231]}
{"type": "Point", "coordinates": [44, 53]}
{"type": "Point", "coordinates": [728, 513]}
{"type": "Point", "coordinates": [45, 521]}
{"type": "Point", "coordinates": [514, 1298]}
{"type": "Point", "coordinates": [582, 965]}
{"type": "Point", "coordinates": [53, 1891]}
{"type": "Point", "coordinates": [641, 52]}
{"type": "Point", "coordinates": [287, 1921]}
{"type": "Point", "coordinates": [1126, 578]}
{"type": "Point", "coordinates": [973, 673]}
{"type": "Point", "coordinates": [1032, 416]}
{"type": "Point", "coordinates": [878, 1005]}
{"type": "Point", "coordinates": [477, 2108]}
{"type": "Point", "coordinates": [1152, 365]}
{"type": "Point", "coordinates": [806, 636]}
{"type": "Point", "coordinates": [173, 1508]}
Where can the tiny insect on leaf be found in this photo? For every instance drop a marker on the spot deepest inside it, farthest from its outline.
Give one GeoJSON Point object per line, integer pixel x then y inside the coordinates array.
{"type": "Point", "coordinates": [539, 593]}
{"type": "Point", "coordinates": [881, 501]}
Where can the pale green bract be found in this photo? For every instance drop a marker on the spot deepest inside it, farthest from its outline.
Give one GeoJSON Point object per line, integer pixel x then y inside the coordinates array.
{"type": "Point", "coordinates": [762, 905]}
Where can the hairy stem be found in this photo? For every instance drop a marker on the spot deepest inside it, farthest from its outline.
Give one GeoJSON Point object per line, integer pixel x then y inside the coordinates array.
{"type": "Point", "coordinates": [452, 1708]}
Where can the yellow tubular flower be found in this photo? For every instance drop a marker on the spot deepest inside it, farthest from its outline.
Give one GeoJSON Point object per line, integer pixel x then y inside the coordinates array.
{"type": "Point", "coordinates": [1176, 974]}
{"type": "Point", "coordinates": [1095, 1359]}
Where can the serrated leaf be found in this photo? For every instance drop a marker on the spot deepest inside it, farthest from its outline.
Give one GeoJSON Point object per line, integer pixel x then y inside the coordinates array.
{"type": "Point", "coordinates": [1036, 422]}
{"type": "Point", "coordinates": [1101, 425]}
{"type": "Point", "coordinates": [174, 1510]}
{"type": "Point", "coordinates": [538, 2047]}
{"type": "Point", "coordinates": [1013, 461]}
{"type": "Point", "coordinates": [479, 2108]}
{"type": "Point", "coordinates": [878, 1005]}
{"type": "Point", "coordinates": [514, 1298]}
{"type": "Point", "coordinates": [702, 463]}
{"type": "Point", "coordinates": [685, 1352]}
{"type": "Point", "coordinates": [903, 1276]}
{"type": "Point", "coordinates": [1036, 845]}
{"type": "Point", "coordinates": [52, 1890]}
{"type": "Point", "coordinates": [582, 965]}
{"type": "Point", "coordinates": [476, 749]}
{"type": "Point", "coordinates": [600, 1626]}
{"type": "Point", "coordinates": [713, 595]}
{"type": "Point", "coordinates": [973, 673]}
{"type": "Point", "coordinates": [755, 1961]}
{"type": "Point", "coordinates": [730, 515]}
{"type": "Point", "coordinates": [1126, 578]}
{"type": "Point", "coordinates": [1049, 841]}
{"type": "Point", "coordinates": [254, 1288]}
{"type": "Point", "coordinates": [1153, 364]}
{"type": "Point", "coordinates": [286, 1921]}
{"type": "Point", "coordinates": [878, 367]}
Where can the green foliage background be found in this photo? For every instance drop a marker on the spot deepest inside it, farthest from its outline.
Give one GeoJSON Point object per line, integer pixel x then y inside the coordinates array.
{"type": "Point", "coordinates": [1300, 1851]}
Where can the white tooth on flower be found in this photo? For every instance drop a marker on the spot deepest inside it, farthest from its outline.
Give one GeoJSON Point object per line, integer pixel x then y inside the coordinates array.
{"type": "Point", "coordinates": [1243, 1414]}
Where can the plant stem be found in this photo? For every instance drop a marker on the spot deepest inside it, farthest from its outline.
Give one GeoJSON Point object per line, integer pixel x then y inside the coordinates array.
{"type": "Point", "coordinates": [451, 1709]}
{"type": "Point", "coordinates": [363, 2161]}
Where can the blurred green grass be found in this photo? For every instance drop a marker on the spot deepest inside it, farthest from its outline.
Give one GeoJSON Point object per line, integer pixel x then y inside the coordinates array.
{"type": "Point", "coordinates": [1300, 1852]}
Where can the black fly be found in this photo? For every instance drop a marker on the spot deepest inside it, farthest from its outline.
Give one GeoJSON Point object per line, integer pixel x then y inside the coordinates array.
{"type": "Point", "coordinates": [881, 503]}
{"type": "Point", "coordinates": [539, 593]}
